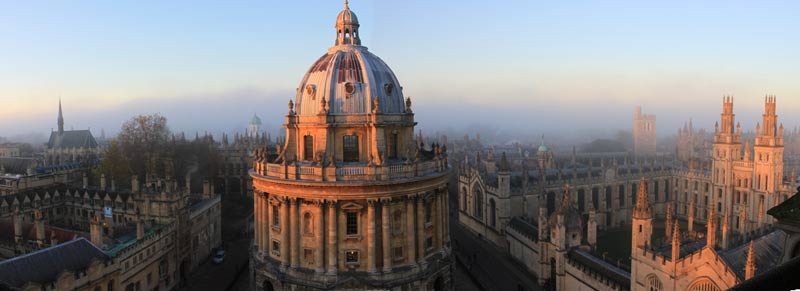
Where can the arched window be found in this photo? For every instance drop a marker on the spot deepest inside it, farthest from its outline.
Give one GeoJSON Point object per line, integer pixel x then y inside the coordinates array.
{"type": "Point", "coordinates": [464, 198]}
{"type": "Point", "coordinates": [391, 146]}
{"type": "Point", "coordinates": [703, 284]}
{"type": "Point", "coordinates": [621, 196]}
{"type": "Point", "coordinates": [477, 197]}
{"type": "Point", "coordinates": [308, 148]}
{"type": "Point", "coordinates": [653, 283]}
{"type": "Point", "coordinates": [492, 218]}
{"type": "Point", "coordinates": [397, 222]}
{"type": "Point", "coordinates": [350, 148]}
{"type": "Point", "coordinates": [308, 225]}
{"type": "Point", "coordinates": [276, 216]}
{"type": "Point", "coordinates": [110, 286]}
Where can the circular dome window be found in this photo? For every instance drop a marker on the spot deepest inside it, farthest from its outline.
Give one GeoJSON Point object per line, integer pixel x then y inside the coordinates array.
{"type": "Point", "coordinates": [310, 90]}
{"type": "Point", "coordinates": [349, 88]}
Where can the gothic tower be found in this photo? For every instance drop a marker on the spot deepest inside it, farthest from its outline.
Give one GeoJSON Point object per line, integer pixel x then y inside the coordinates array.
{"type": "Point", "coordinates": [644, 133]}
{"type": "Point", "coordinates": [768, 155]}
{"type": "Point", "coordinates": [726, 151]}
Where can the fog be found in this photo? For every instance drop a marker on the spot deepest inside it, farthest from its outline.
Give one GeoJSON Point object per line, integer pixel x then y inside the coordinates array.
{"type": "Point", "coordinates": [558, 119]}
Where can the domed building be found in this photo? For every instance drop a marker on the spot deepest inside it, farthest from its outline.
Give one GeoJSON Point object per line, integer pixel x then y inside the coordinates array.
{"type": "Point", "coordinates": [351, 200]}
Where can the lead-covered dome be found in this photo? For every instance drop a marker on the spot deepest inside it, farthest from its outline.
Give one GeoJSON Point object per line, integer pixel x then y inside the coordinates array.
{"type": "Point", "coordinates": [348, 78]}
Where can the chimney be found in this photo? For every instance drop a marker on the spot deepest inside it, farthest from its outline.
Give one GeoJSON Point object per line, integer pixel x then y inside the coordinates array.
{"type": "Point", "coordinates": [592, 228]}
{"type": "Point", "coordinates": [208, 189]}
{"type": "Point", "coordinates": [53, 239]}
{"type": "Point", "coordinates": [96, 232]}
{"type": "Point", "coordinates": [17, 226]}
{"type": "Point", "coordinates": [39, 223]}
{"type": "Point", "coordinates": [135, 183]}
{"type": "Point", "coordinates": [139, 226]}
{"type": "Point", "coordinates": [85, 181]}
{"type": "Point", "coordinates": [113, 185]}
{"type": "Point", "coordinates": [103, 182]}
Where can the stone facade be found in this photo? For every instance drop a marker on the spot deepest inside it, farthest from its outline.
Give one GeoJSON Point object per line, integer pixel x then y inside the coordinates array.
{"type": "Point", "coordinates": [509, 202]}
{"type": "Point", "coordinates": [350, 200]}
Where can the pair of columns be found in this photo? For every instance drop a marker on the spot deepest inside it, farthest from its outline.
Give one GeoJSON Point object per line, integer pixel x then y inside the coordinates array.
{"type": "Point", "coordinates": [290, 245]}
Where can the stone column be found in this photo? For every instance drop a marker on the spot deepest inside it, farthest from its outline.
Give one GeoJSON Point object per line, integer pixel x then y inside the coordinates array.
{"type": "Point", "coordinates": [387, 255]}
{"type": "Point", "coordinates": [267, 226]}
{"type": "Point", "coordinates": [286, 209]}
{"type": "Point", "coordinates": [440, 218]}
{"type": "Point", "coordinates": [410, 232]}
{"type": "Point", "coordinates": [319, 258]}
{"type": "Point", "coordinates": [264, 226]}
{"type": "Point", "coordinates": [421, 251]}
{"type": "Point", "coordinates": [333, 252]}
{"type": "Point", "coordinates": [256, 222]}
{"type": "Point", "coordinates": [371, 268]}
{"type": "Point", "coordinates": [294, 226]}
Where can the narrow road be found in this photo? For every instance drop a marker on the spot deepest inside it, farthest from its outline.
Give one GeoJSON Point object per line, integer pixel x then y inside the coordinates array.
{"type": "Point", "coordinates": [492, 268]}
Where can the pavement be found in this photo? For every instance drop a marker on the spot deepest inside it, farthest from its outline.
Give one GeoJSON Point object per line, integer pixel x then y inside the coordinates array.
{"type": "Point", "coordinates": [489, 266]}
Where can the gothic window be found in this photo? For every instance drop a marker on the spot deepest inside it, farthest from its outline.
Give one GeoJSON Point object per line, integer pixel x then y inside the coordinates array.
{"type": "Point", "coordinates": [653, 283]}
{"type": "Point", "coordinates": [308, 225]}
{"type": "Point", "coordinates": [391, 146]}
{"type": "Point", "coordinates": [478, 202]}
{"type": "Point", "coordinates": [350, 146]}
{"type": "Point", "coordinates": [276, 216]}
{"type": "Point", "coordinates": [464, 198]}
{"type": "Point", "coordinates": [492, 219]}
{"type": "Point", "coordinates": [621, 196]}
{"type": "Point", "coordinates": [351, 223]}
{"type": "Point", "coordinates": [703, 284]}
{"type": "Point", "coordinates": [308, 148]}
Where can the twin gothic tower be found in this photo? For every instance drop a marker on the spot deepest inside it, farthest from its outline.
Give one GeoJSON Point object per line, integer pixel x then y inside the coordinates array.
{"type": "Point", "coordinates": [351, 200]}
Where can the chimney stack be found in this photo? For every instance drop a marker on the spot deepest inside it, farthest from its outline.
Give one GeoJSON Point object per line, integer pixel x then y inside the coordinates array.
{"type": "Point", "coordinates": [39, 223]}
{"type": "Point", "coordinates": [85, 181]}
{"type": "Point", "coordinates": [139, 226]}
{"type": "Point", "coordinates": [17, 226]}
{"type": "Point", "coordinates": [103, 182]}
{"type": "Point", "coordinates": [96, 232]}
{"type": "Point", "coordinates": [135, 183]}
{"type": "Point", "coordinates": [113, 185]}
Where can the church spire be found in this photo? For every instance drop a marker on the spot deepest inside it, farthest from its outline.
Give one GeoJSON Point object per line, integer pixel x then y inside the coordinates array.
{"type": "Point", "coordinates": [60, 118]}
{"type": "Point", "coordinates": [711, 235]}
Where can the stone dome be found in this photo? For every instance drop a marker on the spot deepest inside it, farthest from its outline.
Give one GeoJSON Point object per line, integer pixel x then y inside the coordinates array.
{"type": "Point", "coordinates": [348, 79]}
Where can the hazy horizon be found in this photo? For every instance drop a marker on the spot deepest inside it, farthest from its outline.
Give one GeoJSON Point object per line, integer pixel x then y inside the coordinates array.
{"type": "Point", "coordinates": [524, 68]}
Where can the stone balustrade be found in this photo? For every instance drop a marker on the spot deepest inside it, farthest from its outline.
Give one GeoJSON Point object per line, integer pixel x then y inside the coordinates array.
{"type": "Point", "coordinates": [306, 171]}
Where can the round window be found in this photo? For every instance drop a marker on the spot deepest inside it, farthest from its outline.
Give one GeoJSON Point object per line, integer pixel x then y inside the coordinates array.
{"type": "Point", "coordinates": [349, 88]}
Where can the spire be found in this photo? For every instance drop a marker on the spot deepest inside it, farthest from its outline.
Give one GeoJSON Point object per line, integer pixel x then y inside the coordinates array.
{"type": "Point", "coordinates": [725, 229]}
{"type": "Point", "coordinates": [750, 267]}
{"type": "Point", "coordinates": [643, 209]}
{"type": "Point", "coordinates": [676, 241]}
{"type": "Point", "coordinates": [668, 221]}
{"type": "Point", "coordinates": [60, 118]}
{"type": "Point", "coordinates": [504, 163]}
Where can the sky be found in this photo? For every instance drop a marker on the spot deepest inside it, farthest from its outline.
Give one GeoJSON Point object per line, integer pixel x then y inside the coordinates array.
{"type": "Point", "coordinates": [526, 67]}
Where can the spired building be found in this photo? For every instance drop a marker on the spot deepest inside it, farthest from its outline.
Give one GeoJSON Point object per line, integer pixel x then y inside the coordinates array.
{"type": "Point", "coordinates": [70, 146]}
{"type": "Point", "coordinates": [350, 200]}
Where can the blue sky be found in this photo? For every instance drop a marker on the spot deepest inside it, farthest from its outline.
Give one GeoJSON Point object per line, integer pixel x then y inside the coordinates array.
{"type": "Point", "coordinates": [528, 66]}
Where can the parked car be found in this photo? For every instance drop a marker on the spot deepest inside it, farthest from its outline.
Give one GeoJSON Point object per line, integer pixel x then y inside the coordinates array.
{"type": "Point", "coordinates": [219, 256]}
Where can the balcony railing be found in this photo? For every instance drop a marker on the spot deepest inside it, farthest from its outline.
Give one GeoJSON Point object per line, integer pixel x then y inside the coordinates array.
{"type": "Point", "coordinates": [350, 172]}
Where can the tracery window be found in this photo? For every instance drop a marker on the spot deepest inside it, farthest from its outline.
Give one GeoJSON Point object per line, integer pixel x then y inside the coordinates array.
{"type": "Point", "coordinates": [703, 284]}
{"type": "Point", "coordinates": [653, 283]}
{"type": "Point", "coordinates": [478, 202]}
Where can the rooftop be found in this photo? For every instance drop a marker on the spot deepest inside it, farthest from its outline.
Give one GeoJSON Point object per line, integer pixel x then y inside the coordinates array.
{"type": "Point", "coordinates": [45, 265]}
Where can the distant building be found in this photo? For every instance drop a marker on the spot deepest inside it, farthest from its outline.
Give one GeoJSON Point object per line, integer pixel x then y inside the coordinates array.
{"type": "Point", "coordinates": [10, 150]}
{"type": "Point", "coordinates": [644, 133]}
{"type": "Point", "coordinates": [515, 203]}
{"type": "Point", "coordinates": [70, 146]}
{"type": "Point", "coordinates": [254, 127]}
{"type": "Point", "coordinates": [146, 238]}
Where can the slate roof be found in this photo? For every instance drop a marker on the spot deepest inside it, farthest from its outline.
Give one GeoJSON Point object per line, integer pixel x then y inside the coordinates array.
{"type": "Point", "coordinates": [787, 211]}
{"type": "Point", "coordinates": [45, 265]}
{"type": "Point", "coordinates": [687, 247]}
{"type": "Point", "coordinates": [782, 277]}
{"type": "Point", "coordinates": [767, 250]}
{"type": "Point", "coordinates": [527, 229]}
{"type": "Point", "coordinates": [71, 139]}
{"type": "Point", "coordinates": [613, 273]}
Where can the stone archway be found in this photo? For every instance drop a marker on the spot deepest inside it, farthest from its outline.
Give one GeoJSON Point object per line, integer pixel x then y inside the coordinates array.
{"type": "Point", "coordinates": [267, 286]}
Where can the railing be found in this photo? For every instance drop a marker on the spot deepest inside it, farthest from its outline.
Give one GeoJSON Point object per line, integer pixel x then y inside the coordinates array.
{"type": "Point", "coordinates": [348, 172]}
